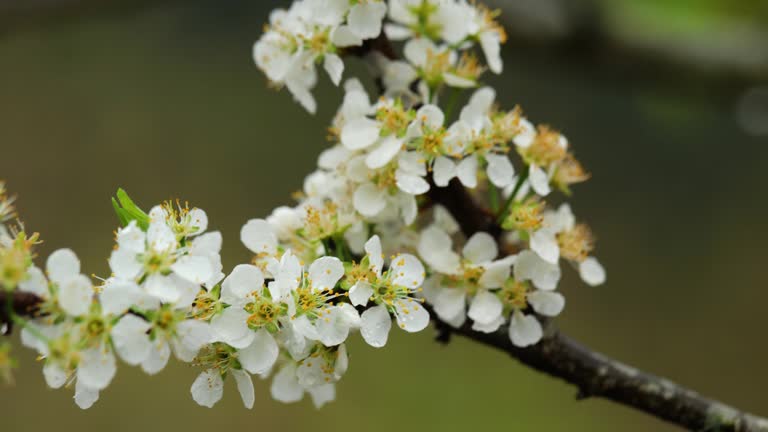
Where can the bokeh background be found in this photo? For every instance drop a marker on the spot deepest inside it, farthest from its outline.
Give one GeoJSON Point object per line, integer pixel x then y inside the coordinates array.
{"type": "Point", "coordinates": [665, 101]}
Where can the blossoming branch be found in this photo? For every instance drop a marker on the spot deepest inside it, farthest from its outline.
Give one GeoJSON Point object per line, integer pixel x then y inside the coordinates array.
{"type": "Point", "coordinates": [418, 210]}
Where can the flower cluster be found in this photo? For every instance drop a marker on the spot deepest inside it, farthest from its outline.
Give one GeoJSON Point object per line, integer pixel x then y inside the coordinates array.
{"type": "Point", "coordinates": [369, 242]}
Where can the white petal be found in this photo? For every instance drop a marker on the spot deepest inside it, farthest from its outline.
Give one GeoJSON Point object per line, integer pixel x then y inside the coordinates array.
{"type": "Point", "coordinates": [374, 326]}
{"type": "Point", "coordinates": [75, 295]}
{"type": "Point", "coordinates": [158, 358]}
{"type": "Point", "coordinates": [191, 335]}
{"type": "Point", "coordinates": [467, 171]}
{"type": "Point", "coordinates": [360, 133]}
{"type": "Point", "coordinates": [322, 394]}
{"type": "Point", "coordinates": [62, 265]}
{"type": "Point", "coordinates": [208, 388]}
{"type": "Point", "coordinates": [207, 244]}
{"type": "Point", "coordinates": [495, 274]}
{"type": "Point", "coordinates": [411, 315]}
{"type": "Point", "coordinates": [85, 396]}
{"type": "Point", "coordinates": [443, 170]}
{"type": "Point", "coordinates": [245, 387]}
{"type": "Point", "coordinates": [396, 32]}
{"type": "Point", "coordinates": [407, 271]}
{"type": "Point", "coordinates": [288, 276]}
{"type": "Point", "coordinates": [131, 339]}
{"type": "Point", "coordinates": [592, 272]}
{"type": "Point", "coordinates": [325, 272]}
{"type": "Point", "coordinates": [369, 200]}
{"type": "Point", "coordinates": [285, 386]}
{"type": "Point", "coordinates": [384, 153]}
{"type": "Point", "coordinates": [544, 243]}
{"type": "Point", "coordinates": [480, 248]}
{"type": "Point", "coordinates": [244, 279]}
{"type": "Point", "coordinates": [334, 66]}
{"type": "Point", "coordinates": [261, 354]}
{"type": "Point", "coordinates": [527, 134]}
{"type": "Point", "coordinates": [485, 308]}
{"type": "Point", "coordinates": [231, 327]}
{"type": "Point", "coordinates": [343, 36]}
{"type": "Point", "coordinates": [302, 95]}
{"type": "Point", "coordinates": [117, 296]}
{"type": "Point", "coordinates": [375, 257]}
{"type": "Point", "coordinates": [524, 330]}
{"type": "Point", "coordinates": [435, 247]}
{"type": "Point", "coordinates": [454, 80]}
{"type": "Point", "coordinates": [445, 220]}
{"type": "Point", "coordinates": [329, 159]}
{"type": "Point", "coordinates": [539, 180]}
{"type": "Point", "coordinates": [97, 367]}
{"type": "Point", "coordinates": [416, 50]}
{"type": "Point", "coordinates": [132, 238]}
{"type": "Point", "coordinates": [197, 220]}
{"type": "Point", "coordinates": [54, 375]}
{"type": "Point", "coordinates": [125, 264]}
{"type": "Point", "coordinates": [431, 116]}
{"type": "Point", "coordinates": [500, 170]}
{"type": "Point", "coordinates": [450, 303]}
{"type": "Point", "coordinates": [162, 287]}
{"type": "Point", "coordinates": [365, 19]}
{"type": "Point", "coordinates": [547, 303]}
{"type": "Point", "coordinates": [258, 237]}
{"type": "Point", "coordinates": [160, 236]}
{"type": "Point", "coordinates": [197, 269]}
{"type": "Point", "coordinates": [360, 293]}
{"type": "Point", "coordinates": [544, 275]}
{"type": "Point", "coordinates": [411, 184]}
{"type": "Point", "coordinates": [333, 328]}
{"type": "Point", "coordinates": [490, 43]}
{"type": "Point", "coordinates": [187, 290]}
{"type": "Point", "coordinates": [408, 207]}
{"type": "Point", "coordinates": [489, 327]}
{"type": "Point", "coordinates": [35, 283]}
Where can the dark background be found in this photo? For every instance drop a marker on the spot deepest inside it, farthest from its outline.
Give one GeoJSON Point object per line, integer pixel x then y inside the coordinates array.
{"type": "Point", "coordinates": [163, 100]}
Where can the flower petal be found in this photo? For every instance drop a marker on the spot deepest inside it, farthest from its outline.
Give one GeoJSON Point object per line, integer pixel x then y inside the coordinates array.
{"type": "Point", "coordinates": [257, 235]}
{"type": "Point", "coordinates": [208, 388]}
{"type": "Point", "coordinates": [334, 66]}
{"type": "Point", "coordinates": [369, 200]}
{"type": "Point", "coordinates": [375, 325]}
{"type": "Point", "coordinates": [261, 354]}
{"type": "Point", "coordinates": [500, 170]}
{"type": "Point", "coordinates": [592, 272]}
{"type": "Point", "coordinates": [480, 248]}
{"type": "Point", "coordinates": [485, 308]}
{"type": "Point", "coordinates": [62, 265]}
{"type": "Point", "coordinates": [360, 133]}
{"type": "Point", "coordinates": [325, 272]}
{"type": "Point", "coordinates": [131, 339]}
{"type": "Point", "coordinates": [547, 303]}
{"type": "Point", "coordinates": [76, 295]}
{"type": "Point", "coordinates": [524, 330]}
{"type": "Point", "coordinates": [360, 293]}
{"type": "Point", "coordinates": [411, 315]}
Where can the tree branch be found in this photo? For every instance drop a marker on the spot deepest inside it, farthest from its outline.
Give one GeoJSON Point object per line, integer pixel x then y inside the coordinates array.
{"type": "Point", "coordinates": [593, 374]}
{"type": "Point", "coordinates": [22, 304]}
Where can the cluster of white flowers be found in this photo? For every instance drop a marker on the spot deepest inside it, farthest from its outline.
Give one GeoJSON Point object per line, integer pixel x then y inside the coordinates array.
{"type": "Point", "coordinates": [368, 243]}
{"type": "Point", "coordinates": [440, 36]}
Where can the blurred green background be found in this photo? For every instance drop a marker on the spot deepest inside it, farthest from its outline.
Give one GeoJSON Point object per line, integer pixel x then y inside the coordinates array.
{"type": "Point", "coordinates": [163, 100]}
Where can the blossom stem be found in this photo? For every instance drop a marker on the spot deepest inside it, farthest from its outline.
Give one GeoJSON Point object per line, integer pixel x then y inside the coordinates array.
{"type": "Point", "coordinates": [508, 203]}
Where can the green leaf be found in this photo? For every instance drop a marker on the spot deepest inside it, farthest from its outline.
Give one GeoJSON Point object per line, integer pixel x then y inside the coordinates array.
{"type": "Point", "coordinates": [128, 211]}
